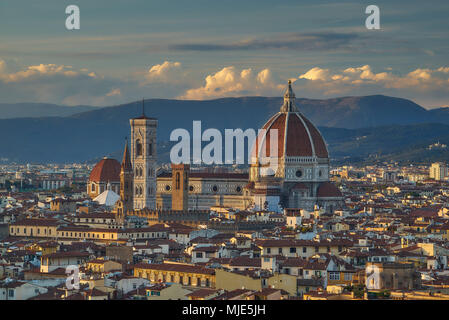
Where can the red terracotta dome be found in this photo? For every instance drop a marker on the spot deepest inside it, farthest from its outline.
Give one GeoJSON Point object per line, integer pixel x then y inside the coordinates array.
{"type": "Point", "coordinates": [297, 136]}
{"type": "Point", "coordinates": [107, 170]}
{"type": "Point", "coordinates": [328, 190]}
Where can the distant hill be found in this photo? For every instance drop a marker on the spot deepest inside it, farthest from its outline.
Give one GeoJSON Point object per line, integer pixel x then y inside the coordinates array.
{"type": "Point", "coordinates": [368, 111]}
{"type": "Point", "coordinates": [403, 143]}
{"type": "Point", "coordinates": [92, 134]}
{"type": "Point", "coordinates": [37, 110]}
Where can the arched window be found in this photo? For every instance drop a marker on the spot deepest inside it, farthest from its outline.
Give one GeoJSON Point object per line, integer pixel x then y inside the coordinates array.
{"type": "Point", "coordinates": [140, 172]}
{"type": "Point", "coordinates": [178, 181]}
{"type": "Point", "coordinates": [150, 149]}
{"type": "Point", "coordinates": [138, 148]}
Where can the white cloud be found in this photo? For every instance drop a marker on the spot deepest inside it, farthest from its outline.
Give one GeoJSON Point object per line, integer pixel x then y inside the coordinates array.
{"type": "Point", "coordinates": [65, 84]}
{"type": "Point", "coordinates": [316, 74]}
{"type": "Point", "coordinates": [56, 84]}
{"type": "Point", "coordinates": [419, 84]}
{"type": "Point", "coordinates": [165, 72]}
{"type": "Point", "coordinates": [41, 70]}
{"type": "Point", "coordinates": [230, 82]}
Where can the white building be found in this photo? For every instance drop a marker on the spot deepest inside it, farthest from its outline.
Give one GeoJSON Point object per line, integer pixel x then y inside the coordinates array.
{"type": "Point", "coordinates": [18, 290]}
{"type": "Point", "coordinates": [438, 171]}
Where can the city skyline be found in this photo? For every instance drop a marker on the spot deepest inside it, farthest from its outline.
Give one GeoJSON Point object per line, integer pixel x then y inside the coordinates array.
{"type": "Point", "coordinates": [234, 152]}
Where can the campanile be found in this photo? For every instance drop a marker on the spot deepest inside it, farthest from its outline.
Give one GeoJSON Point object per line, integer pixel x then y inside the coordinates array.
{"type": "Point", "coordinates": [143, 157]}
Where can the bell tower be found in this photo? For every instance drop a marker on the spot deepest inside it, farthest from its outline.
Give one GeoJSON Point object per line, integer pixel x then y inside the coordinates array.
{"type": "Point", "coordinates": [143, 157]}
{"type": "Point", "coordinates": [180, 187]}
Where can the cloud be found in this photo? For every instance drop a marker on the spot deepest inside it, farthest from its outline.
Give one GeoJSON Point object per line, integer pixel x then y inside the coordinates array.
{"type": "Point", "coordinates": [71, 85]}
{"type": "Point", "coordinates": [165, 72]}
{"type": "Point", "coordinates": [56, 84]}
{"type": "Point", "coordinates": [42, 70]}
{"type": "Point", "coordinates": [298, 41]}
{"type": "Point", "coordinates": [419, 84]}
{"type": "Point", "coordinates": [230, 82]}
{"type": "Point", "coordinates": [315, 74]}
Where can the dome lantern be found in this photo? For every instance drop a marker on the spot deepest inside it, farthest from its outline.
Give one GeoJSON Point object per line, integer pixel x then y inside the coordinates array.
{"type": "Point", "coordinates": [289, 99]}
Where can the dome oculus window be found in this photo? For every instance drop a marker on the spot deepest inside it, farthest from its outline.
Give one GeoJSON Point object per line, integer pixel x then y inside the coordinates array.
{"type": "Point", "coordinates": [167, 188]}
{"type": "Point", "coordinates": [298, 173]}
{"type": "Point", "coordinates": [214, 188]}
{"type": "Point", "coordinates": [238, 189]}
{"type": "Point", "coordinates": [191, 188]}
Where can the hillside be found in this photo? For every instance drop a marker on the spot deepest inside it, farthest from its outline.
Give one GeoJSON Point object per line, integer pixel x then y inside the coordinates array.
{"type": "Point", "coordinates": [95, 133]}
{"type": "Point", "coordinates": [37, 110]}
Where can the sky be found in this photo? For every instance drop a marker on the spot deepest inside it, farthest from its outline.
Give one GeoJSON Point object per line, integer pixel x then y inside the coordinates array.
{"type": "Point", "coordinates": [205, 49]}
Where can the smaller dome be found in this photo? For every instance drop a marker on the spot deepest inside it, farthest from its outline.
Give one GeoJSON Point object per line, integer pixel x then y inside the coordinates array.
{"type": "Point", "coordinates": [107, 170]}
{"type": "Point", "coordinates": [328, 190]}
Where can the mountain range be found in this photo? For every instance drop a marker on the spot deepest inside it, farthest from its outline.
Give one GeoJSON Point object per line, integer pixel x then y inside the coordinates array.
{"type": "Point", "coordinates": [356, 128]}
{"type": "Point", "coordinates": [37, 110]}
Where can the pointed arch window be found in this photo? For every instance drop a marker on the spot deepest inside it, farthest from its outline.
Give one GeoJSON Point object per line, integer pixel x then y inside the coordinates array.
{"type": "Point", "coordinates": [138, 148]}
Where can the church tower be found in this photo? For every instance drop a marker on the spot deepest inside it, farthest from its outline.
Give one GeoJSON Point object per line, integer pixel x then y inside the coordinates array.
{"type": "Point", "coordinates": [180, 187]}
{"type": "Point", "coordinates": [143, 157]}
{"type": "Point", "coordinates": [126, 181]}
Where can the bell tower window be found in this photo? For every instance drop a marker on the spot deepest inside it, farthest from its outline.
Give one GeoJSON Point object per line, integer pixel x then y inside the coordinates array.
{"type": "Point", "coordinates": [138, 148]}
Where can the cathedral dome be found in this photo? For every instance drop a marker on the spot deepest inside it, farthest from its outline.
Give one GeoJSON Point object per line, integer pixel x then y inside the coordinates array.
{"type": "Point", "coordinates": [296, 136]}
{"type": "Point", "coordinates": [107, 170]}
